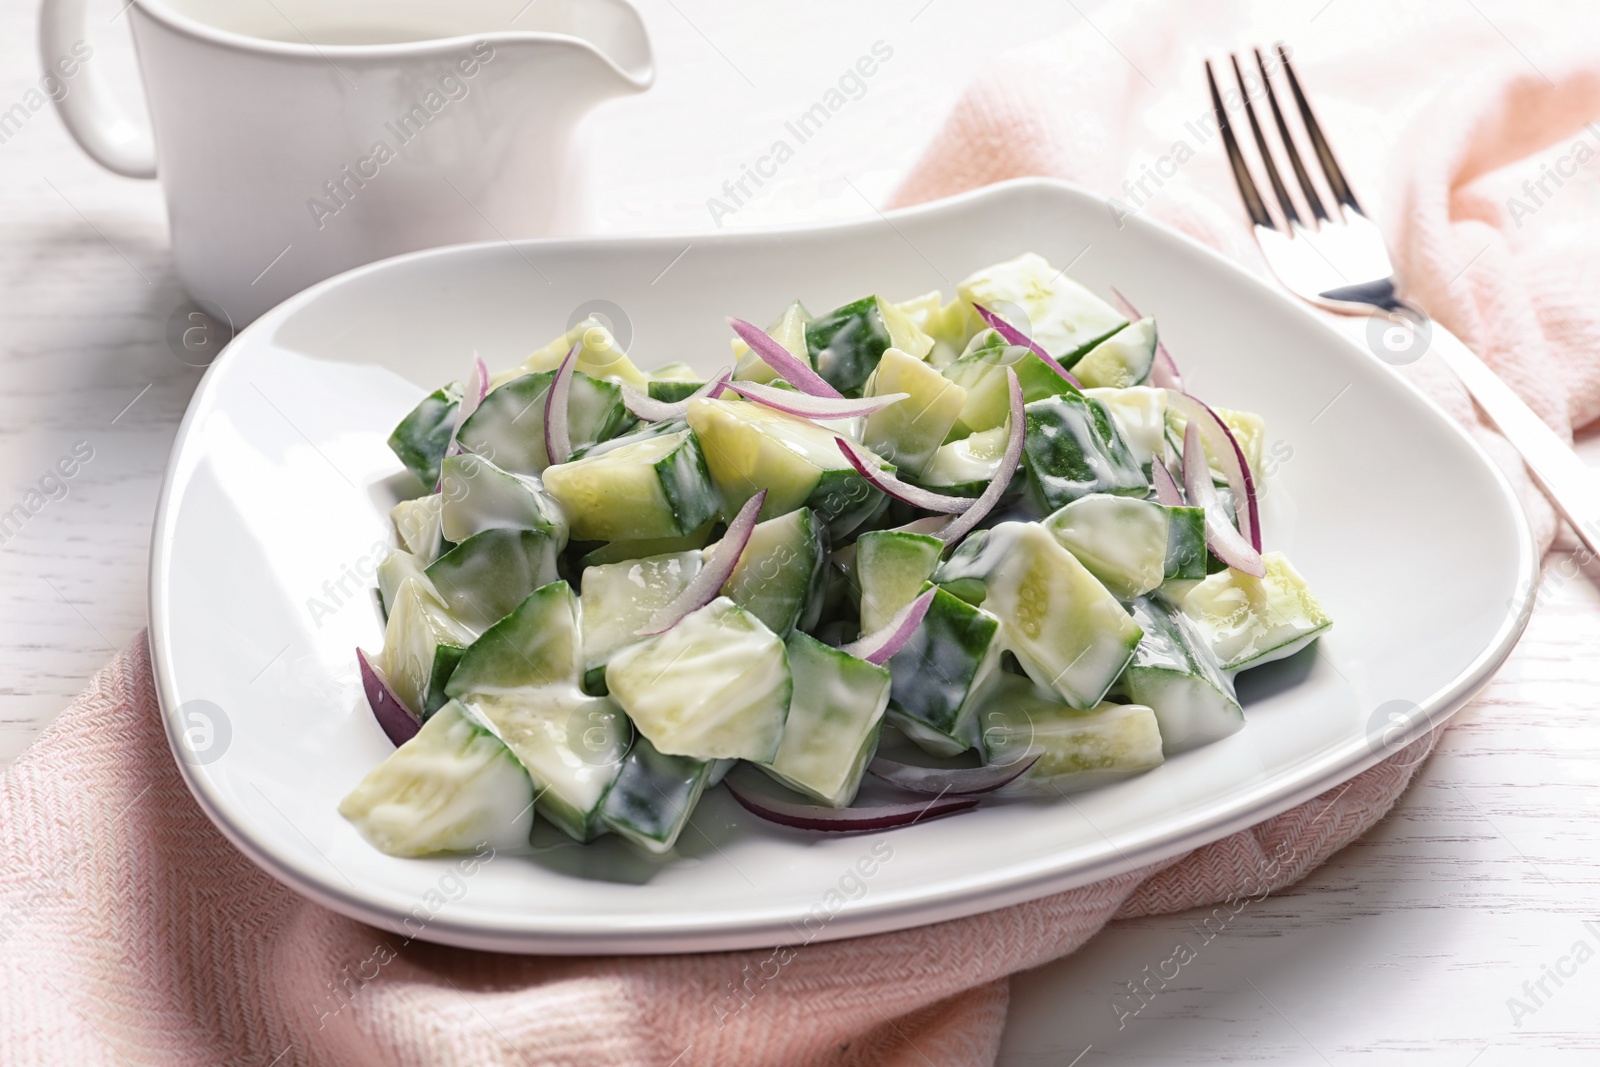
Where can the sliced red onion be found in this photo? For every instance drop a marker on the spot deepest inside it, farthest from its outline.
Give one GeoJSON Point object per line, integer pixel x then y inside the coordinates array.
{"type": "Point", "coordinates": [792, 370]}
{"type": "Point", "coordinates": [814, 407]}
{"type": "Point", "coordinates": [1164, 372]}
{"type": "Point", "coordinates": [557, 435]}
{"type": "Point", "coordinates": [845, 820]}
{"type": "Point", "coordinates": [1002, 477]}
{"type": "Point", "coordinates": [703, 588]}
{"type": "Point", "coordinates": [397, 720]}
{"type": "Point", "coordinates": [652, 410]}
{"type": "Point", "coordinates": [955, 781]}
{"type": "Point", "coordinates": [477, 387]}
{"type": "Point", "coordinates": [1167, 491]}
{"type": "Point", "coordinates": [1014, 336]}
{"type": "Point", "coordinates": [880, 645]}
{"type": "Point", "coordinates": [1226, 448]}
{"type": "Point", "coordinates": [914, 495]}
{"type": "Point", "coordinates": [1226, 543]}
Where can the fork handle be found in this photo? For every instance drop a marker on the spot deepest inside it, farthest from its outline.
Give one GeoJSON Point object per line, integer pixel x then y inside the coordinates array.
{"type": "Point", "coordinates": [1570, 483]}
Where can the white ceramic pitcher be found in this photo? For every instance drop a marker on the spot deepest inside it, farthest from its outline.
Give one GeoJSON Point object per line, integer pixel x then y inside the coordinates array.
{"type": "Point", "coordinates": [298, 138]}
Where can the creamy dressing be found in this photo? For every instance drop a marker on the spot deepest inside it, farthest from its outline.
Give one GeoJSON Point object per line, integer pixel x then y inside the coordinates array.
{"type": "Point", "coordinates": [619, 598]}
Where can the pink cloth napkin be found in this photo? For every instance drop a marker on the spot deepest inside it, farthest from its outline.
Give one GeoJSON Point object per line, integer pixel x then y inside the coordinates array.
{"type": "Point", "coordinates": [132, 932]}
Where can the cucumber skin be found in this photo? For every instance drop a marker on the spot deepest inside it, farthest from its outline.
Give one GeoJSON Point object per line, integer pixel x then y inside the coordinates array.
{"type": "Point", "coordinates": [485, 577]}
{"type": "Point", "coordinates": [1073, 448]}
{"type": "Point", "coordinates": [520, 402]}
{"type": "Point", "coordinates": [1171, 654]}
{"type": "Point", "coordinates": [1186, 543]}
{"type": "Point", "coordinates": [423, 435]}
{"type": "Point", "coordinates": [688, 488]}
{"type": "Point", "coordinates": [846, 344]}
{"type": "Point", "coordinates": [446, 658]}
{"type": "Point", "coordinates": [845, 501]}
{"type": "Point", "coordinates": [537, 644]}
{"type": "Point", "coordinates": [782, 598]}
{"type": "Point", "coordinates": [673, 392]}
{"type": "Point", "coordinates": [653, 796]}
{"type": "Point", "coordinates": [944, 663]}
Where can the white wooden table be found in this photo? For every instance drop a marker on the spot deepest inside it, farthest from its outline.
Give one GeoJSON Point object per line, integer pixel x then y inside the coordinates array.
{"type": "Point", "coordinates": [1405, 948]}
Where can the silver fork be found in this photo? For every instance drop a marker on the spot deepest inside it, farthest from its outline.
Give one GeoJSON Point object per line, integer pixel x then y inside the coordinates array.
{"type": "Point", "coordinates": [1332, 255]}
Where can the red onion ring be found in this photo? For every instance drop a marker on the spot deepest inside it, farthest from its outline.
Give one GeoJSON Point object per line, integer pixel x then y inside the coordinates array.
{"type": "Point", "coordinates": [956, 781]}
{"type": "Point", "coordinates": [557, 435]}
{"type": "Point", "coordinates": [1002, 476]}
{"type": "Point", "coordinates": [914, 495]}
{"type": "Point", "coordinates": [1167, 491]}
{"type": "Point", "coordinates": [880, 645]}
{"type": "Point", "coordinates": [399, 722]}
{"type": "Point", "coordinates": [703, 588]}
{"type": "Point", "coordinates": [1014, 336]}
{"type": "Point", "coordinates": [652, 410]}
{"type": "Point", "coordinates": [1225, 542]}
{"type": "Point", "coordinates": [1164, 372]}
{"type": "Point", "coordinates": [792, 370]}
{"type": "Point", "coordinates": [845, 820]}
{"type": "Point", "coordinates": [807, 406]}
{"type": "Point", "coordinates": [1226, 448]}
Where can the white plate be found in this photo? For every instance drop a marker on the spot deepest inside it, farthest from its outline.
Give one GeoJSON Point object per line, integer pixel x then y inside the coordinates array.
{"type": "Point", "coordinates": [280, 482]}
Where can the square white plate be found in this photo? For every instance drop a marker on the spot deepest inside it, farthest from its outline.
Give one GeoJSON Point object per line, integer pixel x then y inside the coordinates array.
{"type": "Point", "coordinates": [274, 512]}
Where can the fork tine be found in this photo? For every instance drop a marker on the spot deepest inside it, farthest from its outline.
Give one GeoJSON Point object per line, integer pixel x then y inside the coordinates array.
{"type": "Point", "coordinates": [1289, 213]}
{"type": "Point", "coordinates": [1253, 204]}
{"type": "Point", "coordinates": [1330, 166]}
{"type": "Point", "coordinates": [1312, 199]}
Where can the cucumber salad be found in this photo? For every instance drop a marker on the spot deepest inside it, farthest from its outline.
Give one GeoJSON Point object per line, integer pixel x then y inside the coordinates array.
{"type": "Point", "coordinates": [996, 529]}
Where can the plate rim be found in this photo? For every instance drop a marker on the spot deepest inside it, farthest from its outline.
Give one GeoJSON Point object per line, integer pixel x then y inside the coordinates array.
{"type": "Point", "coordinates": [658, 933]}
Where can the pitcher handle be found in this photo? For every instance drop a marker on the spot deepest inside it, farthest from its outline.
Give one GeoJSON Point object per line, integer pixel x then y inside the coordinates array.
{"type": "Point", "coordinates": [88, 108]}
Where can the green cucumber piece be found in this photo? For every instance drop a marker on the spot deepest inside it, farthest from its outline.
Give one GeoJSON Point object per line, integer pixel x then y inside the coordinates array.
{"type": "Point", "coordinates": [671, 392]}
{"type": "Point", "coordinates": [939, 673]}
{"type": "Point", "coordinates": [477, 495]}
{"type": "Point", "coordinates": [1175, 674]}
{"type": "Point", "coordinates": [966, 467]}
{"type": "Point", "coordinates": [778, 578]}
{"type": "Point", "coordinates": [1072, 449]}
{"type": "Point", "coordinates": [423, 436]}
{"type": "Point", "coordinates": [485, 577]}
{"type": "Point", "coordinates": [833, 724]}
{"type": "Point", "coordinates": [622, 551]}
{"type": "Point", "coordinates": [847, 343]}
{"type": "Point", "coordinates": [418, 524]}
{"type": "Point", "coordinates": [1248, 621]}
{"type": "Point", "coordinates": [909, 432]}
{"type": "Point", "coordinates": [619, 598]}
{"type": "Point", "coordinates": [508, 426]}
{"type": "Point", "coordinates": [1066, 629]}
{"type": "Point", "coordinates": [1058, 314]}
{"type": "Point", "coordinates": [570, 744]}
{"type": "Point", "coordinates": [789, 331]}
{"type": "Point", "coordinates": [891, 567]}
{"type": "Point", "coordinates": [453, 787]}
{"type": "Point", "coordinates": [1131, 545]}
{"type": "Point", "coordinates": [676, 371]}
{"type": "Point", "coordinates": [981, 371]}
{"type": "Point", "coordinates": [655, 487]}
{"type": "Point", "coordinates": [1077, 749]}
{"type": "Point", "coordinates": [1120, 361]}
{"type": "Point", "coordinates": [944, 323]}
{"type": "Point", "coordinates": [536, 645]}
{"type": "Point", "coordinates": [598, 355]}
{"type": "Point", "coordinates": [715, 686]}
{"type": "Point", "coordinates": [749, 447]}
{"type": "Point", "coordinates": [396, 567]}
{"type": "Point", "coordinates": [654, 796]}
{"type": "Point", "coordinates": [1250, 430]}
{"type": "Point", "coordinates": [1140, 413]}
{"type": "Point", "coordinates": [422, 645]}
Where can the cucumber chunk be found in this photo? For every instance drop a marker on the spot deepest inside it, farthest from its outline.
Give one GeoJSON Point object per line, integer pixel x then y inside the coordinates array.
{"type": "Point", "coordinates": [485, 577]}
{"type": "Point", "coordinates": [676, 371]}
{"type": "Point", "coordinates": [909, 432]}
{"type": "Point", "coordinates": [715, 686]}
{"type": "Point", "coordinates": [396, 567]}
{"type": "Point", "coordinates": [1066, 629]}
{"type": "Point", "coordinates": [891, 568]}
{"type": "Point", "coordinates": [1140, 413]}
{"type": "Point", "coordinates": [778, 578]}
{"type": "Point", "coordinates": [1062, 317]}
{"type": "Point", "coordinates": [944, 323]}
{"type": "Point", "coordinates": [847, 343]}
{"type": "Point", "coordinates": [418, 524]}
{"type": "Point", "coordinates": [1248, 621]}
{"type": "Point", "coordinates": [477, 495]}
{"type": "Point", "coordinates": [422, 645]}
{"type": "Point", "coordinates": [654, 796]}
{"type": "Point", "coordinates": [966, 467]}
{"type": "Point", "coordinates": [940, 672]}
{"type": "Point", "coordinates": [1250, 430]}
{"type": "Point", "coordinates": [453, 787]}
{"type": "Point", "coordinates": [508, 426]}
{"type": "Point", "coordinates": [1072, 449]}
{"type": "Point", "coordinates": [1077, 749]}
{"type": "Point", "coordinates": [622, 551]}
{"type": "Point", "coordinates": [655, 487]}
{"type": "Point", "coordinates": [1132, 545]}
{"type": "Point", "coordinates": [423, 436]}
{"type": "Point", "coordinates": [598, 355]}
{"type": "Point", "coordinates": [619, 598]}
{"type": "Point", "coordinates": [535, 645]}
{"type": "Point", "coordinates": [673, 392]}
{"type": "Point", "coordinates": [834, 719]}
{"type": "Point", "coordinates": [749, 447]}
{"type": "Point", "coordinates": [1122, 360]}
{"type": "Point", "coordinates": [789, 331]}
{"type": "Point", "coordinates": [981, 371]}
{"type": "Point", "coordinates": [1174, 674]}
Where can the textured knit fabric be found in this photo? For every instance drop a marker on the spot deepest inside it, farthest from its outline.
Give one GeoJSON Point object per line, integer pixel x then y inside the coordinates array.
{"type": "Point", "coordinates": [131, 932]}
